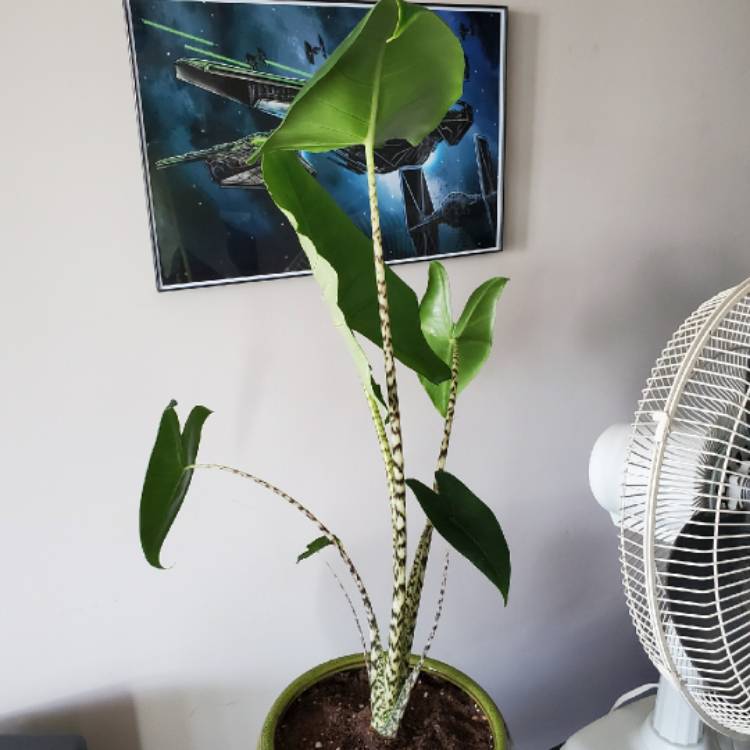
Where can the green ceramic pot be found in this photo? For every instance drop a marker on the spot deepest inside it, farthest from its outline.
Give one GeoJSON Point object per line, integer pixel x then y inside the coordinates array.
{"type": "Point", "coordinates": [307, 680]}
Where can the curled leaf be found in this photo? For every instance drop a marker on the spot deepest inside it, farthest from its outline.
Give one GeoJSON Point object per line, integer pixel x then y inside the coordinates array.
{"type": "Point", "coordinates": [167, 477]}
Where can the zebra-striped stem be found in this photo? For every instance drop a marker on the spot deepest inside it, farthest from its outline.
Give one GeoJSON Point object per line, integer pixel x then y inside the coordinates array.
{"type": "Point", "coordinates": [377, 665]}
{"type": "Point", "coordinates": [451, 409]}
{"type": "Point", "coordinates": [385, 449]}
{"type": "Point", "coordinates": [390, 728]}
{"type": "Point", "coordinates": [421, 556]}
{"type": "Point", "coordinates": [326, 532]}
{"type": "Point", "coordinates": [398, 487]}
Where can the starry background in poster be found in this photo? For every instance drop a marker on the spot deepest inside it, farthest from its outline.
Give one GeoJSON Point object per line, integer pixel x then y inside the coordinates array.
{"type": "Point", "coordinates": [205, 232]}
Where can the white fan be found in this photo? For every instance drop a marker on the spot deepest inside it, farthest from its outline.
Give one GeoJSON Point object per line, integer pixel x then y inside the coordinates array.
{"type": "Point", "coordinates": [678, 485]}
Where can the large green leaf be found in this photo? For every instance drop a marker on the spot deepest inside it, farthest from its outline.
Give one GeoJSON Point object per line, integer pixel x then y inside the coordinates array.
{"type": "Point", "coordinates": [468, 525]}
{"type": "Point", "coordinates": [341, 260]}
{"type": "Point", "coordinates": [167, 478]}
{"type": "Point", "coordinates": [394, 76]}
{"type": "Point", "coordinates": [472, 334]}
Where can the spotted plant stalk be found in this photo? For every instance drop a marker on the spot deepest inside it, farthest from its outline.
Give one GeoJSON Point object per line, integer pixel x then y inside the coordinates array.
{"type": "Point", "coordinates": [394, 77]}
{"type": "Point", "coordinates": [422, 554]}
{"type": "Point", "coordinates": [396, 657]}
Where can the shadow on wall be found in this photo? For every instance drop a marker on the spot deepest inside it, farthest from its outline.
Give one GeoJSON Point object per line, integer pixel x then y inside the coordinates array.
{"type": "Point", "coordinates": [634, 317]}
{"type": "Point", "coordinates": [107, 722]}
{"type": "Point", "coordinates": [523, 46]}
{"type": "Point", "coordinates": [191, 717]}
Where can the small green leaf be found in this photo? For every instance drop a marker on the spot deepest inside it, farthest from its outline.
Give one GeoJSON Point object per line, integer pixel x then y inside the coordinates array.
{"type": "Point", "coordinates": [472, 334]}
{"type": "Point", "coordinates": [167, 478]}
{"type": "Point", "coordinates": [435, 311]}
{"type": "Point", "coordinates": [315, 546]}
{"type": "Point", "coordinates": [468, 525]}
{"type": "Point", "coordinates": [437, 325]}
{"type": "Point", "coordinates": [475, 328]}
{"type": "Point", "coordinates": [341, 260]}
{"type": "Point", "coordinates": [378, 392]}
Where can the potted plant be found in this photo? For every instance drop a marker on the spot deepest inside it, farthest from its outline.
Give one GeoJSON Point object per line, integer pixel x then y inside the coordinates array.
{"type": "Point", "coordinates": [394, 76]}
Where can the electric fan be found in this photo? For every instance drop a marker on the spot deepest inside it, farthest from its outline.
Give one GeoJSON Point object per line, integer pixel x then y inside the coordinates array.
{"type": "Point", "coordinates": [677, 483]}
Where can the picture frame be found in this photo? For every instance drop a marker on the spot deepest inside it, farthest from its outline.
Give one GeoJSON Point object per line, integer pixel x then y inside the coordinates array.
{"type": "Point", "coordinates": [209, 77]}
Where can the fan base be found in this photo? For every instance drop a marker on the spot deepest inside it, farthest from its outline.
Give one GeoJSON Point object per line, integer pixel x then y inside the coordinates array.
{"type": "Point", "coordinates": [630, 728]}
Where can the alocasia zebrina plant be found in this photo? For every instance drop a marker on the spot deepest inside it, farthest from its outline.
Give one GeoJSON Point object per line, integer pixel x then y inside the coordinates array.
{"type": "Point", "coordinates": [394, 76]}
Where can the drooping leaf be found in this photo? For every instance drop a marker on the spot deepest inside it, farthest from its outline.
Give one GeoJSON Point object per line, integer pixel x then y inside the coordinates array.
{"type": "Point", "coordinates": [167, 477]}
{"type": "Point", "coordinates": [394, 76]}
{"type": "Point", "coordinates": [314, 547]}
{"type": "Point", "coordinates": [472, 334]}
{"type": "Point", "coordinates": [341, 260]}
{"type": "Point", "coordinates": [468, 525]}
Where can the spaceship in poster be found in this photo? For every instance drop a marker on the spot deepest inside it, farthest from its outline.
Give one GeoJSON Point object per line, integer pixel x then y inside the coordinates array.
{"type": "Point", "coordinates": [213, 78]}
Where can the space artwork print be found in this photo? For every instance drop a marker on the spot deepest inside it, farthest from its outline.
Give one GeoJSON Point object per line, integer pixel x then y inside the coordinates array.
{"type": "Point", "coordinates": [212, 78]}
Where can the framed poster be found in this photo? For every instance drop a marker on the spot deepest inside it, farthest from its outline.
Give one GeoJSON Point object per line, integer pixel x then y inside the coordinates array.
{"type": "Point", "coordinates": [212, 76]}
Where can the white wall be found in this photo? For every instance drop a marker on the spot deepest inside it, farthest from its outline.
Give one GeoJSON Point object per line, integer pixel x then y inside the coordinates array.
{"type": "Point", "coordinates": [628, 181]}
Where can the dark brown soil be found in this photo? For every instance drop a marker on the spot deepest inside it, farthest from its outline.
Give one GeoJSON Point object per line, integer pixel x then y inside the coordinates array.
{"type": "Point", "coordinates": [334, 714]}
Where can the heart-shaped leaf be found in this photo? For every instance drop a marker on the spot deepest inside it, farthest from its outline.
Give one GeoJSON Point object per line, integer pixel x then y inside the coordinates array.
{"type": "Point", "coordinates": [314, 547]}
{"type": "Point", "coordinates": [341, 260]}
{"type": "Point", "coordinates": [472, 334]}
{"type": "Point", "coordinates": [394, 76]}
{"type": "Point", "coordinates": [468, 525]}
{"type": "Point", "coordinates": [167, 477]}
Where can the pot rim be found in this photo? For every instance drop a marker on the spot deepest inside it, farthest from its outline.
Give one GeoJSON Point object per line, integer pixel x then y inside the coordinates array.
{"type": "Point", "coordinates": [353, 661]}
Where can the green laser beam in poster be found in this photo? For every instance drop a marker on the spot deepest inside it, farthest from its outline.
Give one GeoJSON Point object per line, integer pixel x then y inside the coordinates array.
{"type": "Point", "coordinates": [280, 66]}
{"type": "Point", "coordinates": [215, 55]}
{"type": "Point", "coordinates": [176, 32]}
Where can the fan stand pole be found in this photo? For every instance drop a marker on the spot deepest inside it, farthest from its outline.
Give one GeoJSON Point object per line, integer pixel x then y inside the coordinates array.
{"type": "Point", "coordinates": [663, 722]}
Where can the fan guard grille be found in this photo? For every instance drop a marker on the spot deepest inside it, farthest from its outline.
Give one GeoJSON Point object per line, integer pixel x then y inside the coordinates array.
{"type": "Point", "coordinates": [685, 528]}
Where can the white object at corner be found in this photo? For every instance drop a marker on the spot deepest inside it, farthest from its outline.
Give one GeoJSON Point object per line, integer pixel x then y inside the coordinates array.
{"type": "Point", "coordinates": [663, 721]}
{"type": "Point", "coordinates": [679, 489]}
